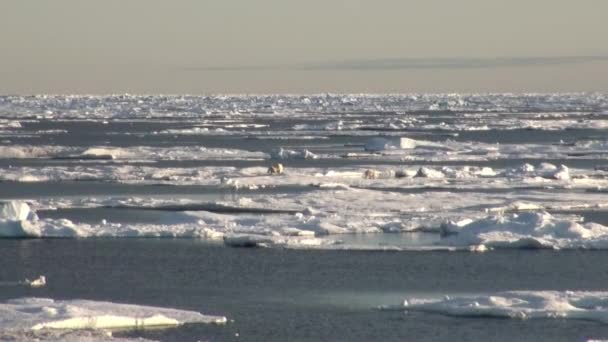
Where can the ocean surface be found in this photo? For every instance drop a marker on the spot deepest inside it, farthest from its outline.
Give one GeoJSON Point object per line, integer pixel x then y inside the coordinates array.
{"type": "Point", "coordinates": [148, 200]}
{"type": "Point", "coordinates": [278, 295]}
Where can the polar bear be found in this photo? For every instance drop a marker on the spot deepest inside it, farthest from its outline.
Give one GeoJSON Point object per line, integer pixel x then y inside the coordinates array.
{"type": "Point", "coordinates": [275, 169]}
{"type": "Point", "coordinates": [371, 174]}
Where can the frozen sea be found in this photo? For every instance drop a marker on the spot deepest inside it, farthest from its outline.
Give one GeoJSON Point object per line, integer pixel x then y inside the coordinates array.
{"type": "Point", "coordinates": [397, 217]}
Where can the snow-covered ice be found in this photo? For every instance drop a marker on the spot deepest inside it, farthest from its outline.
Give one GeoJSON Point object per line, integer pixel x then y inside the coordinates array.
{"type": "Point", "coordinates": [127, 153]}
{"type": "Point", "coordinates": [467, 165]}
{"type": "Point", "coordinates": [527, 230]}
{"type": "Point", "coordinates": [579, 305]}
{"type": "Point", "coordinates": [494, 220]}
{"type": "Point", "coordinates": [25, 316]}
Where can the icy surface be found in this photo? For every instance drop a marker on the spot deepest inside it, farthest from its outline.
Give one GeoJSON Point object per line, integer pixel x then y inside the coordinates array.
{"type": "Point", "coordinates": [133, 106]}
{"type": "Point", "coordinates": [128, 153]}
{"type": "Point", "coordinates": [479, 171]}
{"type": "Point", "coordinates": [15, 211]}
{"type": "Point", "coordinates": [25, 316]}
{"type": "Point", "coordinates": [527, 230]}
{"type": "Point", "coordinates": [592, 306]}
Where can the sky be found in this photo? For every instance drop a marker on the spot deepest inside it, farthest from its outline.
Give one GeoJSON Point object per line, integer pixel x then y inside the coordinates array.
{"type": "Point", "coordinates": [313, 46]}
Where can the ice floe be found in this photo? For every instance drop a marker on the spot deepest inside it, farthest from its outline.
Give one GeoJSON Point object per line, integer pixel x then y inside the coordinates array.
{"type": "Point", "coordinates": [9, 124]}
{"type": "Point", "coordinates": [526, 230]}
{"type": "Point", "coordinates": [578, 305]}
{"type": "Point", "coordinates": [32, 318]}
{"type": "Point", "coordinates": [38, 282]}
{"type": "Point", "coordinates": [293, 154]}
{"type": "Point", "coordinates": [400, 143]}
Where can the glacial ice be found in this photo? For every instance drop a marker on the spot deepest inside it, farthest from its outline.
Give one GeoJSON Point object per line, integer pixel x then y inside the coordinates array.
{"type": "Point", "coordinates": [579, 305]}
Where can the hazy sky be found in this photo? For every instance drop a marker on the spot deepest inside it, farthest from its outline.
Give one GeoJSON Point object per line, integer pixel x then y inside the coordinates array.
{"type": "Point", "coordinates": [313, 46]}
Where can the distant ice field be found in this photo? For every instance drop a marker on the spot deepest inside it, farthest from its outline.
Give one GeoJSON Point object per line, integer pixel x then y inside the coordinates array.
{"type": "Point", "coordinates": [360, 171]}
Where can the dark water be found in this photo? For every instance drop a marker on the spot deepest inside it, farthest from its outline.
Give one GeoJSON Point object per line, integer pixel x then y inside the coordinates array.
{"type": "Point", "coordinates": [291, 295]}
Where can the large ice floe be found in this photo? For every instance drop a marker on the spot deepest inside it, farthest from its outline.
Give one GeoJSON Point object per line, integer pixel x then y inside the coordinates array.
{"type": "Point", "coordinates": [580, 305]}
{"type": "Point", "coordinates": [48, 319]}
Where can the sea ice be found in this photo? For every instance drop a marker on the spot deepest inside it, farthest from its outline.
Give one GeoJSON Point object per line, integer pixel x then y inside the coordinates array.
{"type": "Point", "coordinates": [382, 144]}
{"type": "Point", "coordinates": [36, 316]}
{"type": "Point", "coordinates": [526, 230]}
{"type": "Point", "coordinates": [38, 282]}
{"type": "Point", "coordinates": [592, 306]}
{"type": "Point", "coordinates": [127, 153]}
{"type": "Point", "coordinates": [282, 153]}
{"type": "Point", "coordinates": [16, 211]}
